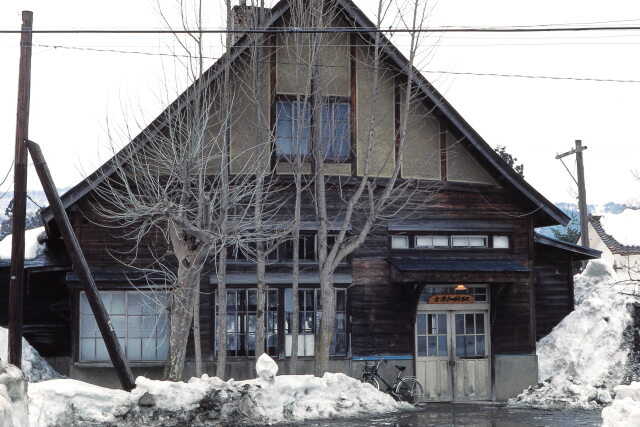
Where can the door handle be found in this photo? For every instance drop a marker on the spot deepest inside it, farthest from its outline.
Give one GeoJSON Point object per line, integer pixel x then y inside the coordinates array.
{"type": "Point", "coordinates": [452, 363]}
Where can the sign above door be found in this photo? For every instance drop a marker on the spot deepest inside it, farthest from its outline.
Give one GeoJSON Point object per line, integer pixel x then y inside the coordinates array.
{"type": "Point", "coordinates": [452, 299]}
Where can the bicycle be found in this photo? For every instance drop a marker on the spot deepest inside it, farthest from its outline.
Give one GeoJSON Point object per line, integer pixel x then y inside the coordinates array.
{"type": "Point", "coordinates": [404, 389]}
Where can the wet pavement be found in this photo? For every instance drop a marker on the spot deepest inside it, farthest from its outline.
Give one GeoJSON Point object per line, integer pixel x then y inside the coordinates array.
{"type": "Point", "coordinates": [473, 415]}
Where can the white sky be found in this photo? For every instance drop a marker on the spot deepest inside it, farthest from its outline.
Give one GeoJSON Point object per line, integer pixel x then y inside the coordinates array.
{"type": "Point", "coordinates": [73, 92]}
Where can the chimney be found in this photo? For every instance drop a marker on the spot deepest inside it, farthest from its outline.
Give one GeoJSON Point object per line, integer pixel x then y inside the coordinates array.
{"type": "Point", "coordinates": [245, 17]}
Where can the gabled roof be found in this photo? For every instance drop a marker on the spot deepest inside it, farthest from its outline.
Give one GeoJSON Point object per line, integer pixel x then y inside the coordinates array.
{"type": "Point", "coordinates": [612, 244]}
{"type": "Point", "coordinates": [579, 252]}
{"type": "Point", "coordinates": [551, 214]}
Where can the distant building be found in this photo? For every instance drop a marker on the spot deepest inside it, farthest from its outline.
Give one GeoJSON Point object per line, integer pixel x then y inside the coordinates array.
{"type": "Point", "coordinates": [624, 257]}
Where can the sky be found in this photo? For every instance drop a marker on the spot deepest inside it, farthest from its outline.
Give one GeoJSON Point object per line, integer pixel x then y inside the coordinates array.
{"type": "Point", "coordinates": [79, 95]}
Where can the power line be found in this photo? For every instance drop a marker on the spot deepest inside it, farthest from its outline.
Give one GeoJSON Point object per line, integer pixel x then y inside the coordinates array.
{"type": "Point", "coordinates": [461, 73]}
{"type": "Point", "coordinates": [294, 30]}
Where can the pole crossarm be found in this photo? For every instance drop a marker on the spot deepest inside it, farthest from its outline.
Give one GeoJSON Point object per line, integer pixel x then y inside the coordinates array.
{"type": "Point", "coordinates": [568, 153]}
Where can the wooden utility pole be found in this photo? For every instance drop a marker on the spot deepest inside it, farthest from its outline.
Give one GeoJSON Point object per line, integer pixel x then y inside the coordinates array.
{"type": "Point", "coordinates": [582, 191]}
{"type": "Point", "coordinates": [81, 268]}
{"type": "Point", "coordinates": [16, 278]}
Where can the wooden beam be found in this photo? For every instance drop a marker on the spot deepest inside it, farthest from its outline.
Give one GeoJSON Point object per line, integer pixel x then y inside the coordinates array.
{"type": "Point", "coordinates": [16, 277]}
{"type": "Point", "coordinates": [81, 268]}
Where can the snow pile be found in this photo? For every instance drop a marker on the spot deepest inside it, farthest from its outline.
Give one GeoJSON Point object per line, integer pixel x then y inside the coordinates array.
{"type": "Point", "coordinates": [208, 401]}
{"type": "Point", "coordinates": [13, 397]}
{"type": "Point", "coordinates": [625, 410]}
{"type": "Point", "coordinates": [266, 368]}
{"type": "Point", "coordinates": [31, 246]}
{"type": "Point", "coordinates": [34, 366]}
{"type": "Point", "coordinates": [585, 356]}
{"type": "Point", "coordinates": [624, 227]}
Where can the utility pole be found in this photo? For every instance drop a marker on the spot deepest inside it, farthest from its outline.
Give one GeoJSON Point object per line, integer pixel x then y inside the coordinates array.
{"type": "Point", "coordinates": [16, 279]}
{"type": "Point", "coordinates": [582, 191]}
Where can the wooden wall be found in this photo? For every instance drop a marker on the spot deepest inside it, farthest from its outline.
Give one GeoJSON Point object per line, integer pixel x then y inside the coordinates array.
{"type": "Point", "coordinates": [554, 288]}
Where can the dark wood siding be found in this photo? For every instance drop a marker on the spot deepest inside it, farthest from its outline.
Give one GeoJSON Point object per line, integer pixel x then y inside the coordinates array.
{"type": "Point", "coordinates": [554, 288]}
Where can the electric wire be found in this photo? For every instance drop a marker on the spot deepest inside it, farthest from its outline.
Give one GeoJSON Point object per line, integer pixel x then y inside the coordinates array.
{"type": "Point", "coordinates": [460, 73]}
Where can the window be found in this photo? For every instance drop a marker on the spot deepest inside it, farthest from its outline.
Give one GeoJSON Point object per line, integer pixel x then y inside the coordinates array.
{"type": "Point", "coordinates": [336, 137]}
{"type": "Point", "coordinates": [310, 313]}
{"type": "Point", "coordinates": [242, 305]}
{"type": "Point", "coordinates": [469, 241]}
{"type": "Point", "coordinates": [501, 242]}
{"type": "Point", "coordinates": [292, 128]}
{"type": "Point", "coordinates": [139, 319]}
{"type": "Point", "coordinates": [470, 337]}
{"type": "Point", "coordinates": [306, 249]}
{"type": "Point", "coordinates": [399, 242]}
{"type": "Point", "coordinates": [432, 241]}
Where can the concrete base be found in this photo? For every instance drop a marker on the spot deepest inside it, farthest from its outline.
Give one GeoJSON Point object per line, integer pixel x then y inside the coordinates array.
{"type": "Point", "coordinates": [238, 369]}
{"type": "Point", "coordinates": [513, 374]}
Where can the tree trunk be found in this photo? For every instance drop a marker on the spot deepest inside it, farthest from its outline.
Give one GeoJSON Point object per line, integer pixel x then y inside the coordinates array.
{"type": "Point", "coordinates": [295, 309]}
{"type": "Point", "coordinates": [221, 317]}
{"type": "Point", "coordinates": [180, 319]}
{"type": "Point", "coordinates": [327, 323]}
{"type": "Point", "coordinates": [197, 345]}
{"type": "Point", "coordinates": [261, 303]}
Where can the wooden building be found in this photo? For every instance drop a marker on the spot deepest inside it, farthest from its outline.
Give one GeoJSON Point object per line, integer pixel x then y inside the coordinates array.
{"type": "Point", "coordinates": [458, 293]}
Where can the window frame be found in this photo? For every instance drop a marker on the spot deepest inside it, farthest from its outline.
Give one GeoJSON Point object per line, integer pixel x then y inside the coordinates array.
{"type": "Point", "coordinates": [78, 321]}
{"type": "Point", "coordinates": [326, 101]}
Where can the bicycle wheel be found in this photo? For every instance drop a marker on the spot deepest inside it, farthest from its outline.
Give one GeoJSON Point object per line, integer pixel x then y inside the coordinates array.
{"type": "Point", "coordinates": [409, 390]}
{"type": "Point", "coordinates": [371, 380]}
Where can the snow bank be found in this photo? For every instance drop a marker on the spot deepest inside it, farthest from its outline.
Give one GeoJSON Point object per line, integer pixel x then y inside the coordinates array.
{"type": "Point", "coordinates": [624, 227]}
{"type": "Point", "coordinates": [585, 356]}
{"type": "Point", "coordinates": [206, 401]}
{"type": "Point", "coordinates": [31, 246]}
{"type": "Point", "coordinates": [625, 410]}
{"type": "Point", "coordinates": [34, 366]}
{"type": "Point", "coordinates": [13, 397]}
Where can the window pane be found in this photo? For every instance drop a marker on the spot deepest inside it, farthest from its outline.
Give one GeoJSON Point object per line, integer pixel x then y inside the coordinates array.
{"type": "Point", "coordinates": [442, 324]}
{"type": "Point", "coordinates": [134, 303]}
{"type": "Point", "coordinates": [478, 241]}
{"type": "Point", "coordinates": [442, 346]}
{"type": "Point", "coordinates": [400, 242]}
{"type": "Point", "coordinates": [101, 350]}
{"type": "Point", "coordinates": [470, 345]}
{"type": "Point", "coordinates": [87, 349]}
{"type": "Point", "coordinates": [432, 351]}
{"type": "Point", "coordinates": [287, 301]}
{"type": "Point", "coordinates": [117, 303]}
{"type": "Point", "coordinates": [252, 300]}
{"type": "Point", "coordinates": [459, 241]}
{"type": "Point", "coordinates": [340, 301]}
{"type": "Point", "coordinates": [424, 241]}
{"type": "Point", "coordinates": [84, 304]}
{"type": "Point", "coordinates": [460, 346]}
{"type": "Point", "coordinates": [422, 346]}
{"type": "Point", "coordinates": [480, 345]}
{"type": "Point", "coordinates": [148, 348]}
{"type": "Point", "coordinates": [308, 301]}
{"type": "Point", "coordinates": [500, 242]}
{"type": "Point", "coordinates": [459, 324]}
{"type": "Point", "coordinates": [440, 241]}
{"type": "Point", "coordinates": [469, 328]}
{"type": "Point", "coordinates": [422, 324]}
{"type": "Point", "coordinates": [479, 324]}
{"type": "Point", "coordinates": [273, 300]}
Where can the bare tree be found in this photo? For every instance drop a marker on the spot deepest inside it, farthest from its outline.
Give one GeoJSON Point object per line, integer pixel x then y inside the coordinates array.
{"type": "Point", "coordinates": [176, 182]}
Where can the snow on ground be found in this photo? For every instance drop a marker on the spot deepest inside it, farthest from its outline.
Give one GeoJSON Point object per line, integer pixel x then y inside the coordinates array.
{"type": "Point", "coordinates": [624, 227]}
{"type": "Point", "coordinates": [205, 401]}
{"type": "Point", "coordinates": [625, 410]}
{"type": "Point", "coordinates": [13, 399]}
{"type": "Point", "coordinates": [34, 366]}
{"type": "Point", "coordinates": [31, 246]}
{"type": "Point", "coordinates": [584, 357]}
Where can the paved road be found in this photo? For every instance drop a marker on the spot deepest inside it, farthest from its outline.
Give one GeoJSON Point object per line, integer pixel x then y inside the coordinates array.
{"type": "Point", "coordinates": [475, 415]}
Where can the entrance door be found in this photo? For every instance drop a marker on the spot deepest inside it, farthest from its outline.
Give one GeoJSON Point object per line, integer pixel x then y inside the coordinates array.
{"type": "Point", "coordinates": [452, 359]}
